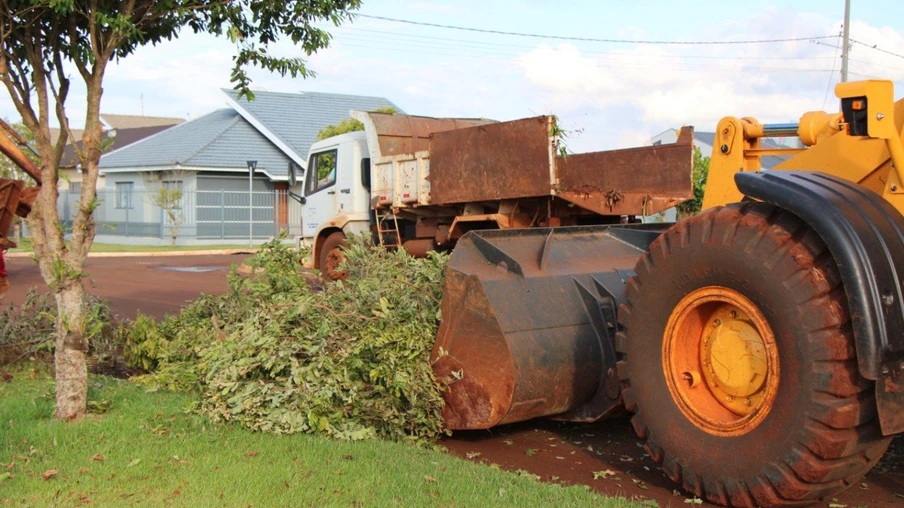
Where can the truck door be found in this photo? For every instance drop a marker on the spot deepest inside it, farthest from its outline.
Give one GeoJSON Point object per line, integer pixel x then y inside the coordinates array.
{"type": "Point", "coordinates": [321, 191]}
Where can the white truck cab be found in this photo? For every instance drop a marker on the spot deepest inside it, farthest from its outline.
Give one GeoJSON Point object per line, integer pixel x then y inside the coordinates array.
{"type": "Point", "coordinates": [336, 196]}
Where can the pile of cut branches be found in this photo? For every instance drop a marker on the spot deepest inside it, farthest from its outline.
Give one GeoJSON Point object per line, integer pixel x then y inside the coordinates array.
{"type": "Point", "coordinates": [350, 361]}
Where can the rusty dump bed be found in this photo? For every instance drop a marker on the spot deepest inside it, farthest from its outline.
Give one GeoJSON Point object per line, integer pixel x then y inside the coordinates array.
{"type": "Point", "coordinates": [529, 321]}
{"type": "Point", "coordinates": [519, 159]}
{"type": "Point", "coordinates": [407, 134]}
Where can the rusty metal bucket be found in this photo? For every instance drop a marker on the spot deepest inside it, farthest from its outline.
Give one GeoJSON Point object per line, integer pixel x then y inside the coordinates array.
{"type": "Point", "coordinates": [529, 322]}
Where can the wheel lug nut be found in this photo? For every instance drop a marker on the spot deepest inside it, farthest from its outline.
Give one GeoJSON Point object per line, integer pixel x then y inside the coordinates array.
{"type": "Point", "coordinates": [717, 322]}
{"type": "Point", "coordinates": [734, 314]}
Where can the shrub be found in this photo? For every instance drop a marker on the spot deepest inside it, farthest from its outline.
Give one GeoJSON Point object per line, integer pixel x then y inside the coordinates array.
{"type": "Point", "coordinates": [31, 330]}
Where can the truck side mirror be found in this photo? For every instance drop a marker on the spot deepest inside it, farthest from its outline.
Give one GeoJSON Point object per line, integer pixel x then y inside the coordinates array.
{"type": "Point", "coordinates": [295, 172]}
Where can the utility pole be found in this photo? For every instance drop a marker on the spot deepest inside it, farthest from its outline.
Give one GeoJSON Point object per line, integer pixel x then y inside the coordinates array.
{"type": "Point", "coordinates": [845, 40]}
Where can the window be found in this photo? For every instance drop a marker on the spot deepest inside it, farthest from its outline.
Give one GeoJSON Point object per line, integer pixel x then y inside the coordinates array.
{"type": "Point", "coordinates": [75, 188]}
{"type": "Point", "coordinates": [173, 185]}
{"type": "Point", "coordinates": [123, 194]}
{"type": "Point", "coordinates": [322, 171]}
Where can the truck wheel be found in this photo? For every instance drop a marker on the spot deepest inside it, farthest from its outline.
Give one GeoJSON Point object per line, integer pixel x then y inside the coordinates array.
{"type": "Point", "coordinates": [331, 256]}
{"type": "Point", "coordinates": [739, 361]}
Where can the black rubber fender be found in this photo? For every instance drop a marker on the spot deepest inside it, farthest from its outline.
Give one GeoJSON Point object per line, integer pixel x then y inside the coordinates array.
{"type": "Point", "coordinates": [865, 235]}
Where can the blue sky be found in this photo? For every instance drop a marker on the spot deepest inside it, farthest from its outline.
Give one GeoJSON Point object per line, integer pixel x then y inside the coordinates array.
{"type": "Point", "coordinates": [610, 94]}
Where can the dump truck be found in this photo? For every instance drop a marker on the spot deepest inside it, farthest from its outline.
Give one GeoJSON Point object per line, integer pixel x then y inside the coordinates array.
{"type": "Point", "coordinates": [421, 183]}
{"type": "Point", "coordinates": [758, 345]}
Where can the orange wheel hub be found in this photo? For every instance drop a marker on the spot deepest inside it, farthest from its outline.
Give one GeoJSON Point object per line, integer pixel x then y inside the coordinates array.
{"type": "Point", "coordinates": [720, 361]}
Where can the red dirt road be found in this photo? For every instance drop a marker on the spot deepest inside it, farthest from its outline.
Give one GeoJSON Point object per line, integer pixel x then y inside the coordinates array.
{"type": "Point", "coordinates": [607, 457]}
{"type": "Point", "coordinates": [604, 456]}
{"type": "Point", "coordinates": [155, 285]}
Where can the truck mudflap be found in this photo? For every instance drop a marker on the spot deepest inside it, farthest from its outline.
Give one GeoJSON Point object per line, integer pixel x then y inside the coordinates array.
{"type": "Point", "coordinates": [865, 234]}
{"type": "Point", "coordinates": [528, 322]}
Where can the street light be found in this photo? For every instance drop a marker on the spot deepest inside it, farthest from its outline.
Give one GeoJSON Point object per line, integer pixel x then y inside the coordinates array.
{"type": "Point", "coordinates": [252, 165]}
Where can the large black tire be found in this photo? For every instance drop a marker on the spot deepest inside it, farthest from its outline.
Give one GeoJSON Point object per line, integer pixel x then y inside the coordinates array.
{"type": "Point", "coordinates": [331, 256]}
{"type": "Point", "coordinates": [819, 432]}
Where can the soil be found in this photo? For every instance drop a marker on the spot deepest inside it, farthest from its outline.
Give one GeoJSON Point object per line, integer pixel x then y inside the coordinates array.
{"type": "Point", "coordinates": [605, 456]}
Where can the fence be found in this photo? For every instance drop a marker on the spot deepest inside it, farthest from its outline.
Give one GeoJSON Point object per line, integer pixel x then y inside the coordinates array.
{"type": "Point", "coordinates": [198, 215]}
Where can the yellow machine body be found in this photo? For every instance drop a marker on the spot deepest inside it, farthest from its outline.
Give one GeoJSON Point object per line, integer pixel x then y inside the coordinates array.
{"type": "Point", "coordinates": [874, 160]}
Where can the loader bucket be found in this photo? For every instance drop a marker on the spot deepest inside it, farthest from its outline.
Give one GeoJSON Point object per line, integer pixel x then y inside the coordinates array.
{"type": "Point", "coordinates": [529, 320]}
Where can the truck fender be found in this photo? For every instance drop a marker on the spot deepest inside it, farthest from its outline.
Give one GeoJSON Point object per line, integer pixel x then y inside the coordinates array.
{"type": "Point", "coordinates": [865, 235]}
{"type": "Point", "coordinates": [348, 224]}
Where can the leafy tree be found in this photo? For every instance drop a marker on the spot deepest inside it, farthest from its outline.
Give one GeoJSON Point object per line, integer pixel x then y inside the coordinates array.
{"type": "Point", "coordinates": [45, 43]}
{"type": "Point", "coordinates": [349, 125]}
{"type": "Point", "coordinates": [699, 174]}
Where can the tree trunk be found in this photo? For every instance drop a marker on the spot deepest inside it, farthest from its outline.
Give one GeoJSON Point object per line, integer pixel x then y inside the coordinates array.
{"type": "Point", "coordinates": [71, 352]}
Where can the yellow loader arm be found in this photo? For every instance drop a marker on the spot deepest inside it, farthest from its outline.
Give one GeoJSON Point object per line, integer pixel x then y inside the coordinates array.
{"type": "Point", "coordinates": [15, 198]}
{"type": "Point", "coordinates": [862, 144]}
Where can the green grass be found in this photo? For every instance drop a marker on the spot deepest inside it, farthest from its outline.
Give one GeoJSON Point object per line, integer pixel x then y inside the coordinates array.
{"type": "Point", "coordinates": [147, 450]}
{"type": "Point", "coordinates": [25, 246]}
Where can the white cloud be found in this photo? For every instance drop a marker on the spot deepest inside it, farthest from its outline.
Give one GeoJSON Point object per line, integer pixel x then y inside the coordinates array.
{"type": "Point", "coordinates": [667, 86]}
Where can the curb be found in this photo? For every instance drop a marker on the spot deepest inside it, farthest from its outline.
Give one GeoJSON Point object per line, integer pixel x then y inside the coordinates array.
{"type": "Point", "coordinates": [175, 253]}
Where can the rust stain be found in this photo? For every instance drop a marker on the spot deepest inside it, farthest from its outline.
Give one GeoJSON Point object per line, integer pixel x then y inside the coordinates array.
{"type": "Point", "coordinates": [523, 333]}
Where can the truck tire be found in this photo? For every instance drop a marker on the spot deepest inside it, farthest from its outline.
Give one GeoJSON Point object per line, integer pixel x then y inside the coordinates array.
{"type": "Point", "coordinates": [331, 256]}
{"type": "Point", "coordinates": [739, 361]}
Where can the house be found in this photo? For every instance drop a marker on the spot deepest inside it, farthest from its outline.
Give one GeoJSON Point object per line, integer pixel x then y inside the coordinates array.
{"type": "Point", "coordinates": [111, 121]}
{"type": "Point", "coordinates": [111, 139]}
{"type": "Point", "coordinates": [206, 159]}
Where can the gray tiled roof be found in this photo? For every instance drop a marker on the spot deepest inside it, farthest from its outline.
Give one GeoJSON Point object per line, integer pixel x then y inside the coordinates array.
{"type": "Point", "coordinates": [221, 139]}
{"type": "Point", "coordinates": [118, 138]}
{"type": "Point", "coordinates": [768, 162]}
{"type": "Point", "coordinates": [226, 139]}
{"type": "Point", "coordinates": [295, 118]}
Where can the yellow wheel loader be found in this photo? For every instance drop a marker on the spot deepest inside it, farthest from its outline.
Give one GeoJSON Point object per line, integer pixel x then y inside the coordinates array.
{"type": "Point", "coordinates": [759, 344]}
{"type": "Point", "coordinates": [15, 197]}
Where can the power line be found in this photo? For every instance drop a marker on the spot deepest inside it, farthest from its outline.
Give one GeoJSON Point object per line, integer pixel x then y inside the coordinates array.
{"type": "Point", "coordinates": [831, 75]}
{"type": "Point", "coordinates": [349, 31]}
{"type": "Point", "coordinates": [867, 62]}
{"type": "Point", "coordinates": [626, 61]}
{"type": "Point", "coordinates": [877, 49]}
{"type": "Point", "coordinates": [590, 39]}
{"type": "Point", "coordinates": [621, 64]}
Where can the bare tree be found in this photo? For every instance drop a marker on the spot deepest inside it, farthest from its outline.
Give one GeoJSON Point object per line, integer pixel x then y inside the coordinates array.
{"type": "Point", "coordinates": [164, 190]}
